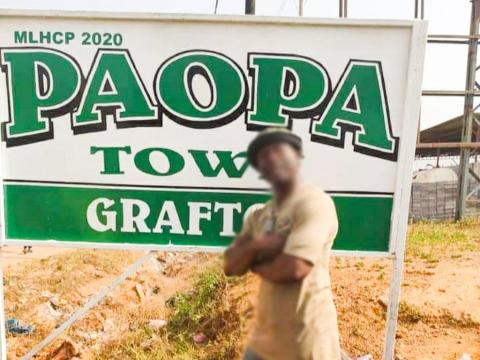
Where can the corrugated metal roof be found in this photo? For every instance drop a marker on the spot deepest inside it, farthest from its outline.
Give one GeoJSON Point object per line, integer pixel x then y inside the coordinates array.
{"type": "Point", "coordinates": [447, 131]}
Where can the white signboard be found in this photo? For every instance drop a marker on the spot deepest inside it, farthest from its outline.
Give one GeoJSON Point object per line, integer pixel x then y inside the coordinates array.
{"type": "Point", "coordinates": [131, 130]}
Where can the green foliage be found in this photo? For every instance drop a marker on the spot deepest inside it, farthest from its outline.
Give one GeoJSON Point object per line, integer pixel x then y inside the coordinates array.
{"type": "Point", "coordinates": [204, 310]}
{"type": "Point", "coordinates": [191, 310]}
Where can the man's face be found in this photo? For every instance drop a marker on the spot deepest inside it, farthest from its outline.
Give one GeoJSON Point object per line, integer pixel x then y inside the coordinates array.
{"type": "Point", "coordinates": [278, 163]}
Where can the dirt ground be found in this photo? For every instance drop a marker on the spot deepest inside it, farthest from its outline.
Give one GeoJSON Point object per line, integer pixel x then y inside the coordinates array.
{"type": "Point", "coordinates": [12, 255]}
{"type": "Point", "coordinates": [440, 308]}
{"type": "Point", "coordinates": [439, 313]}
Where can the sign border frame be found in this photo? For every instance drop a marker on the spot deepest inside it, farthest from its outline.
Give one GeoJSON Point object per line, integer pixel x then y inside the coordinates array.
{"type": "Point", "coordinates": [401, 195]}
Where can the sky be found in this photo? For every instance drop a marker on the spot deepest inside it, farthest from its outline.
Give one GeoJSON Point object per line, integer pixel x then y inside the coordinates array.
{"type": "Point", "coordinates": [445, 65]}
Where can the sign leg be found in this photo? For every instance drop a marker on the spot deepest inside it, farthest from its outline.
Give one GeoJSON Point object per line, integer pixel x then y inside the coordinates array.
{"type": "Point", "coordinates": [393, 306]}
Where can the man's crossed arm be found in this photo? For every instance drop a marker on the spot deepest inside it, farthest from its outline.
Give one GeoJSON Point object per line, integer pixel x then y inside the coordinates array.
{"type": "Point", "coordinates": [244, 251]}
{"type": "Point", "coordinates": [284, 268]}
{"type": "Point", "coordinates": [241, 255]}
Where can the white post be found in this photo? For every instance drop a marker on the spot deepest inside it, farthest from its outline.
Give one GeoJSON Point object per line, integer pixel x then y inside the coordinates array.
{"type": "Point", "coordinates": [393, 305]}
{"type": "Point", "coordinates": [404, 181]}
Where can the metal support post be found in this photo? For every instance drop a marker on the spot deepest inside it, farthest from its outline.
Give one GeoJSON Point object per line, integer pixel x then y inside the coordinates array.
{"type": "Point", "coordinates": [249, 7]}
{"type": "Point", "coordinates": [90, 304]}
{"type": "Point", "coordinates": [419, 9]}
{"type": "Point", "coordinates": [342, 11]}
{"type": "Point", "coordinates": [468, 112]}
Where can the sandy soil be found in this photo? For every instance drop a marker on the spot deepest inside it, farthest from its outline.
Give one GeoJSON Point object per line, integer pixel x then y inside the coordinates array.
{"type": "Point", "coordinates": [11, 255]}
{"type": "Point", "coordinates": [439, 318]}
{"type": "Point", "coordinates": [436, 319]}
{"type": "Point", "coordinates": [452, 286]}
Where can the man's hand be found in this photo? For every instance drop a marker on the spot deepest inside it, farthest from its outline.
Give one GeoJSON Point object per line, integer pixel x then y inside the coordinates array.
{"type": "Point", "coordinates": [239, 256]}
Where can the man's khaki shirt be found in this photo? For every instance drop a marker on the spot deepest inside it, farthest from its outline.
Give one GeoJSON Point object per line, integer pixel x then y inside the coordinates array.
{"type": "Point", "coordinates": [298, 320]}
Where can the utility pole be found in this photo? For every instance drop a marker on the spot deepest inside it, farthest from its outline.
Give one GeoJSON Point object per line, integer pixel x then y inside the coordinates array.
{"type": "Point", "coordinates": [419, 9]}
{"type": "Point", "coordinates": [468, 111]}
{"type": "Point", "coordinates": [249, 7]}
{"type": "Point", "coordinates": [300, 7]}
{"type": "Point", "coordinates": [342, 10]}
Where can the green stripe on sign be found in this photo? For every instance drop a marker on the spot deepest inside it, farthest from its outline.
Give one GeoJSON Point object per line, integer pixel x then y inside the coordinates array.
{"type": "Point", "coordinates": [145, 216]}
{"type": "Point", "coordinates": [364, 222]}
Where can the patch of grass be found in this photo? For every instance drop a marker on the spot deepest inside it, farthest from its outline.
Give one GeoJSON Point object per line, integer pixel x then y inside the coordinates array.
{"type": "Point", "coordinates": [408, 313]}
{"type": "Point", "coordinates": [411, 314]}
{"type": "Point", "coordinates": [191, 308]}
{"type": "Point", "coordinates": [206, 308]}
{"type": "Point", "coordinates": [378, 266]}
{"type": "Point", "coordinates": [381, 276]}
{"type": "Point", "coordinates": [64, 274]}
{"type": "Point", "coordinates": [359, 265]}
{"type": "Point", "coordinates": [464, 321]}
{"type": "Point", "coordinates": [429, 257]}
{"type": "Point", "coordinates": [430, 240]}
{"type": "Point", "coordinates": [140, 344]}
{"type": "Point", "coordinates": [61, 275]}
{"type": "Point", "coordinates": [356, 331]}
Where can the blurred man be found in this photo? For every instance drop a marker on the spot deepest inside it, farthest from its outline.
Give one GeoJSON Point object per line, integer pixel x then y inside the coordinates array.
{"type": "Point", "coordinates": [287, 243]}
